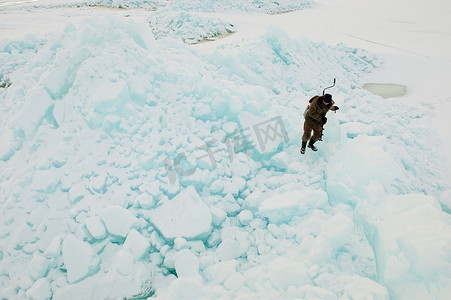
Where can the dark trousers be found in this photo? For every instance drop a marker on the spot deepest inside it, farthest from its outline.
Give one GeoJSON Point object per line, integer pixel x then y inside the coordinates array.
{"type": "Point", "coordinates": [317, 134]}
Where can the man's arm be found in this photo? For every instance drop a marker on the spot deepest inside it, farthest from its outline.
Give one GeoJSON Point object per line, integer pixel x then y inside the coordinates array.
{"type": "Point", "coordinates": [333, 107]}
{"type": "Point", "coordinates": [313, 111]}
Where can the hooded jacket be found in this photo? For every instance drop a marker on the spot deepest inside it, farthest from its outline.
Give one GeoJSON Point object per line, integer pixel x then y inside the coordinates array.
{"type": "Point", "coordinates": [317, 110]}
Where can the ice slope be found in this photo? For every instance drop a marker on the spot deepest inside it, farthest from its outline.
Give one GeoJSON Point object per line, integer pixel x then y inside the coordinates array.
{"type": "Point", "coordinates": [131, 166]}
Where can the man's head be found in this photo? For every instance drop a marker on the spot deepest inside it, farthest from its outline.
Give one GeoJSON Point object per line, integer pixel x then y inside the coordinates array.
{"type": "Point", "coordinates": [327, 99]}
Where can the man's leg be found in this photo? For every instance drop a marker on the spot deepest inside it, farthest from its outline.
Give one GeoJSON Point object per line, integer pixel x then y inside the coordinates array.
{"type": "Point", "coordinates": [310, 145]}
{"type": "Point", "coordinates": [303, 147]}
{"type": "Point", "coordinates": [307, 132]}
{"type": "Point", "coordinates": [306, 136]}
{"type": "Point", "coordinates": [317, 134]}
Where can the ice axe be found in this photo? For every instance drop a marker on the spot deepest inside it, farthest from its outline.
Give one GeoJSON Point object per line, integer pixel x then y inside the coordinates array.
{"type": "Point", "coordinates": [329, 87]}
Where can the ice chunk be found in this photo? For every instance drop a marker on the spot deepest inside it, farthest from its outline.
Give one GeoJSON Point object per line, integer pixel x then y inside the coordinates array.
{"type": "Point", "coordinates": [229, 205]}
{"type": "Point", "coordinates": [307, 85]}
{"type": "Point", "coordinates": [361, 288]}
{"type": "Point", "coordinates": [24, 236]}
{"type": "Point", "coordinates": [219, 104]}
{"type": "Point", "coordinates": [218, 215]}
{"type": "Point", "coordinates": [197, 246]}
{"type": "Point", "coordinates": [186, 215]}
{"type": "Point", "coordinates": [239, 168]}
{"type": "Point", "coordinates": [228, 249]}
{"type": "Point", "coordinates": [111, 97]}
{"type": "Point", "coordinates": [245, 217]}
{"type": "Point", "coordinates": [180, 243]}
{"type": "Point", "coordinates": [335, 233]}
{"type": "Point", "coordinates": [186, 264]}
{"type": "Point", "coordinates": [236, 186]}
{"type": "Point", "coordinates": [79, 258]}
{"type": "Point", "coordinates": [334, 134]}
{"type": "Point", "coordinates": [314, 292]}
{"type": "Point", "coordinates": [38, 267]}
{"type": "Point", "coordinates": [284, 272]}
{"type": "Point", "coordinates": [136, 244]}
{"type": "Point", "coordinates": [124, 262]}
{"type": "Point", "coordinates": [230, 127]}
{"type": "Point", "coordinates": [281, 160]}
{"type": "Point", "coordinates": [354, 287]}
{"type": "Point", "coordinates": [146, 201]}
{"type": "Point", "coordinates": [217, 186]}
{"type": "Point", "coordinates": [361, 161]}
{"type": "Point", "coordinates": [118, 220]}
{"type": "Point", "coordinates": [252, 106]}
{"type": "Point", "coordinates": [220, 272]}
{"type": "Point", "coordinates": [98, 183]}
{"type": "Point", "coordinates": [265, 134]}
{"type": "Point", "coordinates": [26, 282]}
{"type": "Point", "coordinates": [96, 228]}
{"type": "Point", "coordinates": [356, 128]}
{"type": "Point", "coordinates": [235, 104]}
{"type": "Point", "coordinates": [60, 79]}
{"type": "Point", "coordinates": [184, 288]}
{"type": "Point", "coordinates": [44, 182]}
{"type": "Point", "coordinates": [201, 110]}
{"type": "Point", "coordinates": [41, 290]}
{"type": "Point", "coordinates": [411, 241]}
{"type": "Point", "coordinates": [283, 207]}
{"type": "Point", "coordinates": [59, 112]}
{"type": "Point", "coordinates": [54, 248]}
{"type": "Point", "coordinates": [9, 144]}
{"type": "Point", "coordinates": [35, 108]}
{"type": "Point", "coordinates": [137, 89]}
{"type": "Point", "coordinates": [234, 282]}
{"type": "Point", "coordinates": [77, 192]}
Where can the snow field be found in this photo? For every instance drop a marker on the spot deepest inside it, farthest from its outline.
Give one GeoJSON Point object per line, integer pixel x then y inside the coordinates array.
{"type": "Point", "coordinates": [132, 166]}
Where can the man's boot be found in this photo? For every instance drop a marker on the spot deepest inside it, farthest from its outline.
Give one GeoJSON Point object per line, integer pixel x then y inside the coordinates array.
{"type": "Point", "coordinates": [310, 145]}
{"type": "Point", "coordinates": [303, 147]}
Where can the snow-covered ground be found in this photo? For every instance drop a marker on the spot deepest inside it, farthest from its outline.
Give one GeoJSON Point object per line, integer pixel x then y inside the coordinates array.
{"type": "Point", "coordinates": [134, 165]}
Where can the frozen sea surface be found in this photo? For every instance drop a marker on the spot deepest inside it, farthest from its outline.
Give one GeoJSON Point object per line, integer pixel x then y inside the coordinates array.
{"type": "Point", "coordinates": [386, 90]}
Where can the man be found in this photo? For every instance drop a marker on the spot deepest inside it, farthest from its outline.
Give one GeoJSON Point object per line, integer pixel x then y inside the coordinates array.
{"type": "Point", "coordinates": [315, 118]}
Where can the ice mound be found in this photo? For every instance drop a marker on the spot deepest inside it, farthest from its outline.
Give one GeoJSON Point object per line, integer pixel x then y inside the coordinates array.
{"type": "Point", "coordinates": [136, 167]}
{"type": "Point", "coordinates": [190, 27]}
{"type": "Point", "coordinates": [184, 216]}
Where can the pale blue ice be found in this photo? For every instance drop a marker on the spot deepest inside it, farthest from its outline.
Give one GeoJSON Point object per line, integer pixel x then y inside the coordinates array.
{"type": "Point", "coordinates": [136, 166]}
